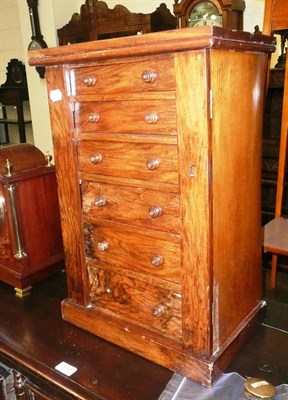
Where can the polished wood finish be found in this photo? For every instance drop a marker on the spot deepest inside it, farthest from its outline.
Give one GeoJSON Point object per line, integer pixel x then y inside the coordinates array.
{"type": "Point", "coordinates": [105, 371]}
{"type": "Point", "coordinates": [275, 16]}
{"type": "Point", "coordinates": [230, 10]}
{"type": "Point", "coordinates": [199, 155]}
{"type": "Point", "coordinates": [30, 235]}
{"type": "Point", "coordinates": [34, 339]}
{"type": "Point", "coordinates": [276, 20]}
{"type": "Point", "coordinates": [97, 21]}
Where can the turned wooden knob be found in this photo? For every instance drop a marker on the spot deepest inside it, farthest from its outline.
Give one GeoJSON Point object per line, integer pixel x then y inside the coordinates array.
{"type": "Point", "coordinates": [89, 81]}
{"type": "Point", "coordinates": [94, 117]}
{"type": "Point", "coordinates": [103, 246]}
{"type": "Point", "coordinates": [96, 158]}
{"type": "Point", "coordinates": [155, 212]}
{"type": "Point", "coordinates": [149, 76]}
{"type": "Point", "coordinates": [152, 164]}
{"type": "Point", "coordinates": [100, 201]}
{"type": "Point", "coordinates": [151, 118]}
{"type": "Point", "coordinates": [158, 311]}
{"type": "Point", "coordinates": [156, 261]}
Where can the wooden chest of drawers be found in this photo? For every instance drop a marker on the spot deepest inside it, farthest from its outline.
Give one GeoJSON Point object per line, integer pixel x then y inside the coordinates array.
{"type": "Point", "coordinates": [157, 149]}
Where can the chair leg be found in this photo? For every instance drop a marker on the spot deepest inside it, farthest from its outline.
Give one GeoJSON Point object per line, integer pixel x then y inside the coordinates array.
{"type": "Point", "coordinates": [273, 271]}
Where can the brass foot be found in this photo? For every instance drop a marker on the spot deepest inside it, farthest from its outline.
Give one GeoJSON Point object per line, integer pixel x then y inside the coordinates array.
{"type": "Point", "coordinates": [22, 292]}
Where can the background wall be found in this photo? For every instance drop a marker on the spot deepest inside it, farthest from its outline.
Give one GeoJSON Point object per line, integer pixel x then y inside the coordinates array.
{"type": "Point", "coordinates": [15, 35]}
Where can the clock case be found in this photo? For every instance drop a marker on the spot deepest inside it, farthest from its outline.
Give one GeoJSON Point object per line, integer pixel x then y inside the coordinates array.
{"type": "Point", "coordinates": [231, 11]}
{"type": "Point", "coordinates": [37, 37]}
{"type": "Point", "coordinates": [31, 246]}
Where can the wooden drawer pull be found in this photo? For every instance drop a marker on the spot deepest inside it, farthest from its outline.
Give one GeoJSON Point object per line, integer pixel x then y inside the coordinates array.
{"type": "Point", "coordinates": [155, 212]}
{"type": "Point", "coordinates": [89, 81]}
{"type": "Point", "coordinates": [151, 118]}
{"type": "Point", "coordinates": [100, 201]}
{"type": "Point", "coordinates": [153, 164]}
{"type": "Point", "coordinates": [158, 311]}
{"type": "Point", "coordinates": [149, 76]}
{"type": "Point", "coordinates": [156, 261]}
{"type": "Point", "coordinates": [103, 246]}
{"type": "Point", "coordinates": [96, 158]}
{"type": "Point", "coordinates": [94, 117]}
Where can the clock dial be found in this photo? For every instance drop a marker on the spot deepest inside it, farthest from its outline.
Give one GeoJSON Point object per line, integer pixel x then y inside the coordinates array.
{"type": "Point", "coordinates": [204, 13]}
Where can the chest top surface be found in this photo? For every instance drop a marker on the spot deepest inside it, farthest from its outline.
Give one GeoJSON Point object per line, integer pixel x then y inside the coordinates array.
{"type": "Point", "coordinates": [153, 43]}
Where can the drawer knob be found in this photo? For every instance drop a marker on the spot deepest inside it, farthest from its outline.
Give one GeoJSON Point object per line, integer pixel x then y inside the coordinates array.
{"type": "Point", "coordinates": [158, 311]}
{"type": "Point", "coordinates": [153, 164]}
{"type": "Point", "coordinates": [156, 261]}
{"type": "Point", "coordinates": [96, 158]}
{"type": "Point", "coordinates": [94, 117]}
{"type": "Point", "coordinates": [151, 118]}
{"type": "Point", "coordinates": [149, 76]}
{"type": "Point", "coordinates": [103, 246]}
{"type": "Point", "coordinates": [89, 81]}
{"type": "Point", "coordinates": [155, 212]}
{"type": "Point", "coordinates": [100, 201]}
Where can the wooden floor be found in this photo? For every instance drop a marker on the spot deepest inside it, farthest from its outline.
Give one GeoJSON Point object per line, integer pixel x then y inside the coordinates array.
{"type": "Point", "coordinates": [34, 339]}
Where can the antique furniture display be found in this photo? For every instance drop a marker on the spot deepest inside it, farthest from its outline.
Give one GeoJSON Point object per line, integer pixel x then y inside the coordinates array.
{"type": "Point", "coordinates": [13, 93]}
{"type": "Point", "coordinates": [30, 230]}
{"type": "Point", "coordinates": [160, 189]}
{"type": "Point", "coordinates": [225, 13]}
{"type": "Point", "coordinates": [276, 231]}
{"type": "Point", "coordinates": [97, 21]}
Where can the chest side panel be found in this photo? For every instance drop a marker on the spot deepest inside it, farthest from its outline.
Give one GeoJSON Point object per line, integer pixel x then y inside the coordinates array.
{"type": "Point", "coordinates": [68, 183]}
{"type": "Point", "coordinates": [237, 127]}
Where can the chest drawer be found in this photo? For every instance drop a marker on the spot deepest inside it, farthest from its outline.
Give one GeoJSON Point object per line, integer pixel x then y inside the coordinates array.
{"type": "Point", "coordinates": [146, 117]}
{"type": "Point", "coordinates": [144, 161]}
{"type": "Point", "coordinates": [146, 304]}
{"type": "Point", "coordinates": [155, 254]}
{"type": "Point", "coordinates": [152, 75]}
{"type": "Point", "coordinates": [131, 205]}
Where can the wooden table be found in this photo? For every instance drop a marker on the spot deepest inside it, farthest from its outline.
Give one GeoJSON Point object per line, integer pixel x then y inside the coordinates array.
{"type": "Point", "coordinates": [34, 339]}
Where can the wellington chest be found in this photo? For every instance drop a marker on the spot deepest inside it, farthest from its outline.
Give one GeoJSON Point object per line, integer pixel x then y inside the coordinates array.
{"type": "Point", "coordinates": [30, 231]}
{"type": "Point", "coordinates": [158, 154]}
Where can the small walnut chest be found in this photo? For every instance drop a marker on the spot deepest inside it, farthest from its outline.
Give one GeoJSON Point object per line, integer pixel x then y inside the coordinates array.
{"type": "Point", "coordinates": [158, 153]}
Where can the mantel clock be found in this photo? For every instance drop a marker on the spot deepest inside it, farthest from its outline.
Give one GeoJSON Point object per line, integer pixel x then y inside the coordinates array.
{"type": "Point", "coordinates": [225, 13]}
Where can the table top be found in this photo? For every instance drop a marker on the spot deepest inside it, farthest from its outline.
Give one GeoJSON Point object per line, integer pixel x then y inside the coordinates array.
{"type": "Point", "coordinates": [35, 339]}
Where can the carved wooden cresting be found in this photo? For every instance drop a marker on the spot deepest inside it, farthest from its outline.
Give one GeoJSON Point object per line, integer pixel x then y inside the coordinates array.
{"type": "Point", "coordinates": [97, 21]}
{"type": "Point", "coordinates": [159, 175]}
